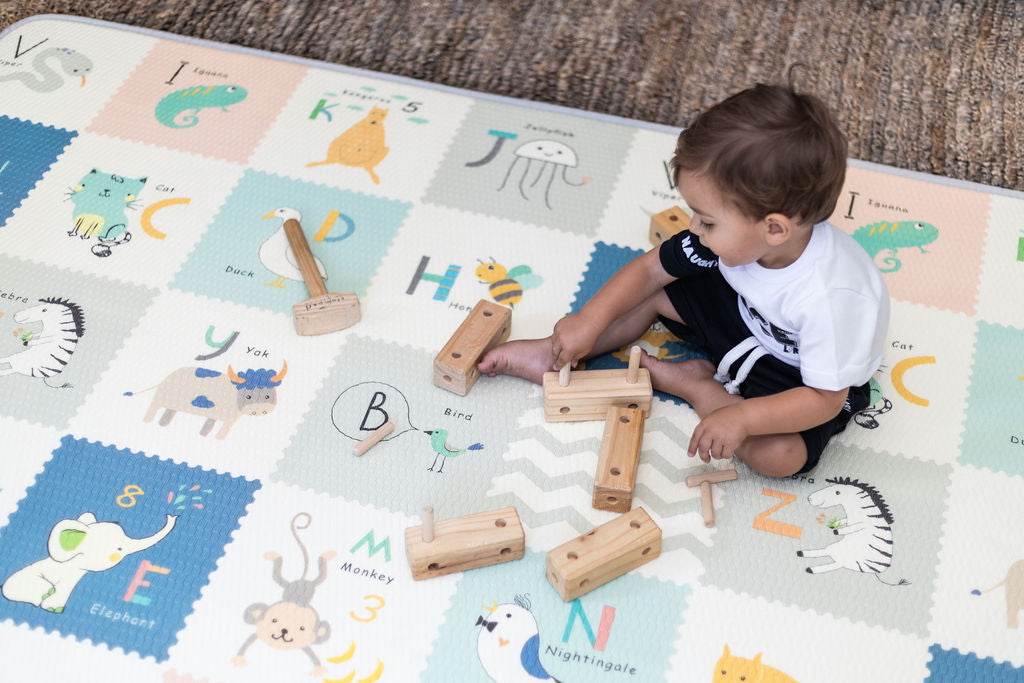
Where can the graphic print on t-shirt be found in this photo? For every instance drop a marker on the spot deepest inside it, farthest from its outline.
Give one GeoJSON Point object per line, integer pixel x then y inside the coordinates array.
{"type": "Point", "coordinates": [782, 343]}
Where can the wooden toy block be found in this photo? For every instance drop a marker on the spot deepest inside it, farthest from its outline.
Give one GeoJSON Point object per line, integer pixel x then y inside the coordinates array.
{"type": "Point", "coordinates": [704, 481]}
{"type": "Point", "coordinates": [374, 438]}
{"type": "Point", "coordinates": [667, 223]}
{"type": "Point", "coordinates": [590, 393]}
{"type": "Point", "coordinates": [486, 326]}
{"type": "Point", "coordinates": [603, 554]}
{"type": "Point", "coordinates": [454, 545]}
{"type": "Point", "coordinates": [618, 460]}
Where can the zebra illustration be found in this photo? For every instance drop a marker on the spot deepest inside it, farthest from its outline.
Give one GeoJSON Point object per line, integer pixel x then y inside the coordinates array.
{"type": "Point", "coordinates": [49, 349]}
{"type": "Point", "coordinates": [866, 544]}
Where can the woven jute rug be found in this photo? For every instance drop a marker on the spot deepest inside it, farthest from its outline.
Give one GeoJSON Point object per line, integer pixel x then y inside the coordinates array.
{"type": "Point", "coordinates": [925, 85]}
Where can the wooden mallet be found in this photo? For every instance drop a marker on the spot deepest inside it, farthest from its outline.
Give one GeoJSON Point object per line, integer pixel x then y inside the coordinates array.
{"type": "Point", "coordinates": [324, 311]}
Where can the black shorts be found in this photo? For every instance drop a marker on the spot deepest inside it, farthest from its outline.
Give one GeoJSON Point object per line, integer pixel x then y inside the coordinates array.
{"type": "Point", "coordinates": [711, 311]}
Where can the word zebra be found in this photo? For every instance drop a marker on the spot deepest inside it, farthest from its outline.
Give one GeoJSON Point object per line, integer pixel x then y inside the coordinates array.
{"type": "Point", "coordinates": [49, 349]}
{"type": "Point", "coordinates": [866, 544]}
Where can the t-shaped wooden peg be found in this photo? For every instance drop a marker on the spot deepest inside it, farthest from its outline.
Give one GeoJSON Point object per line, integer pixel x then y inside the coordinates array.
{"type": "Point", "coordinates": [704, 481]}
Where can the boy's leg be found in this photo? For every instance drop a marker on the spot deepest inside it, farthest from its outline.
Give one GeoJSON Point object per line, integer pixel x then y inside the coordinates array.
{"type": "Point", "coordinates": [531, 358]}
{"type": "Point", "coordinates": [774, 455]}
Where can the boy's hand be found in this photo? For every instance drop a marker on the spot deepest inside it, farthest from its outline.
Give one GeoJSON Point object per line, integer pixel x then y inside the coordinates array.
{"type": "Point", "coordinates": [719, 434]}
{"type": "Point", "coordinates": [573, 338]}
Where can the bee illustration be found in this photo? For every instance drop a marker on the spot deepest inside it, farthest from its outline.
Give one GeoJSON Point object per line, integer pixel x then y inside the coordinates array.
{"type": "Point", "coordinates": [507, 286]}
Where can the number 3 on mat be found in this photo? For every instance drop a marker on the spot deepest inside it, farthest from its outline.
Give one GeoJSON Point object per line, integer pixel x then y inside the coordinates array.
{"type": "Point", "coordinates": [774, 526]}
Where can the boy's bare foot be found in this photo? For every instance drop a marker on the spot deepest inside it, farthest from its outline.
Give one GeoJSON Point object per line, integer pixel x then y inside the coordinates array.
{"type": "Point", "coordinates": [526, 358]}
{"type": "Point", "coordinates": [687, 379]}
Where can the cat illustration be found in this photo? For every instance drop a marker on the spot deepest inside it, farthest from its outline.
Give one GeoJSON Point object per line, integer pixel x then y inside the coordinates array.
{"type": "Point", "coordinates": [730, 669]}
{"type": "Point", "coordinates": [361, 146]}
{"type": "Point", "coordinates": [100, 200]}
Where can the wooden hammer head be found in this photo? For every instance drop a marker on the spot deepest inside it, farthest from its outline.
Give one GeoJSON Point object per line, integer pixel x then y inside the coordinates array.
{"type": "Point", "coordinates": [326, 313]}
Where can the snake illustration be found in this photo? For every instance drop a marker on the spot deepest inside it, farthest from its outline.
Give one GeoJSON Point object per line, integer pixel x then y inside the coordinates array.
{"type": "Point", "coordinates": [43, 78]}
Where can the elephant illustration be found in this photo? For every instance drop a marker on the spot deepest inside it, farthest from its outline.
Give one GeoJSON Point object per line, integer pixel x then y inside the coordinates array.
{"type": "Point", "coordinates": [1013, 583]}
{"type": "Point", "coordinates": [76, 547]}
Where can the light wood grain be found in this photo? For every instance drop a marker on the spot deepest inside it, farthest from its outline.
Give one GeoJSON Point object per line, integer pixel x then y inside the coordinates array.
{"type": "Point", "coordinates": [617, 462]}
{"type": "Point", "coordinates": [606, 553]}
{"type": "Point", "coordinates": [468, 542]}
{"type": "Point", "coordinates": [486, 326]}
{"type": "Point", "coordinates": [591, 393]}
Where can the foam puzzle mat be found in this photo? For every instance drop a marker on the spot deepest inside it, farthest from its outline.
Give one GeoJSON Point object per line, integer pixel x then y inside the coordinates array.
{"type": "Point", "coordinates": [155, 527]}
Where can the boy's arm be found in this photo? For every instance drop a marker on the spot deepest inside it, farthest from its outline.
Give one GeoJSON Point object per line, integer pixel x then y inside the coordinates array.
{"type": "Point", "coordinates": [574, 335]}
{"type": "Point", "coordinates": [722, 431]}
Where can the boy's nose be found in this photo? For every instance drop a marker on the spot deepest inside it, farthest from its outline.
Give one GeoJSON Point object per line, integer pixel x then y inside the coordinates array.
{"type": "Point", "coordinates": [695, 226]}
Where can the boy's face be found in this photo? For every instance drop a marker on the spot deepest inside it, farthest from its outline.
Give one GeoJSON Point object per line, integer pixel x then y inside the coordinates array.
{"type": "Point", "coordinates": [736, 239]}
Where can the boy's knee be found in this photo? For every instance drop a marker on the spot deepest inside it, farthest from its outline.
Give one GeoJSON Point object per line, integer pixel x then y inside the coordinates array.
{"type": "Point", "coordinates": [775, 456]}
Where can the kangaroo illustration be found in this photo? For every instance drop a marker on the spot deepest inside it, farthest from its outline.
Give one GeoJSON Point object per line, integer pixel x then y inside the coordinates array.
{"type": "Point", "coordinates": [361, 146]}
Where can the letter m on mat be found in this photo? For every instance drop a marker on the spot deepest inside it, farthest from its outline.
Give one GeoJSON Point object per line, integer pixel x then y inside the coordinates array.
{"type": "Point", "coordinates": [372, 546]}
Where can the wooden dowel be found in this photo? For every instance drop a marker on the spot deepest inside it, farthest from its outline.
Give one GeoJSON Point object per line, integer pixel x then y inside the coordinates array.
{"type": "Point", "coordinates": [707, 506]}
{"type": "Point", "coordinates": [372, 440]}
{"type": "Point", "coordinates": [427, 518]}
{"type": "Point", "coordinates": [563, 375]}
{"type": "Point", "coordinates": [304, 257]}
{"type": "Point", "coordinates": [633, 373]}
{"type": "Point", "coordinates": [716, 477]}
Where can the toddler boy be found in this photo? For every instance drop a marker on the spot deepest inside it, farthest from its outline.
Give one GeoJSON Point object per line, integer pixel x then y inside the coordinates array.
{"type": "Point", "coordinates": [790, 309]}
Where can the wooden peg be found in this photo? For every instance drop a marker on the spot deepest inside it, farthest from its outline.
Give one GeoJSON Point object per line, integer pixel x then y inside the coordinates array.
{"type": "Point", "coordinates": [427, 519]}
{"type": "Point", "coordinates": [603, 554]}
{"type": "Point", "coordinates": [461, 543]}
{"type": "Point", "coordinates": [563, 375]}
{"type": "Point", "coordinates": [486, 326]}
{"type": "Point", "coordinates": [374, 438]}
{"type": "Point", "coordinates": [633, 371]}
{"type": "Point", "coordinates": [591, 393]}
{"type": "Point", "coordinates": [324, 311]}
{"type": "Point", "coordinates": [704, 481]}
{"type": "Point", "coordinates": [668, 223]}
{"type": "Point", "coordinates": [617, 463]}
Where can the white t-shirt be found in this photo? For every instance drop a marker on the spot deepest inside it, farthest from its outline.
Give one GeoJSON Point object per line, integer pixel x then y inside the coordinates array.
{"type": "Point", "coordinates": [826, 313]}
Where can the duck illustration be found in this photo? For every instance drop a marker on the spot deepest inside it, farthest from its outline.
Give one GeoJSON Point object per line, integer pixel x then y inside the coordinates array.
{"type": "Point", "coordinates": [276, 253]}
{"type": "Point", "coordinates": [438, 441]}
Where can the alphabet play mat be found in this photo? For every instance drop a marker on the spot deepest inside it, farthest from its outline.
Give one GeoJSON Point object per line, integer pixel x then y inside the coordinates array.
{"type": "Point", "coordinates": [179, 497]}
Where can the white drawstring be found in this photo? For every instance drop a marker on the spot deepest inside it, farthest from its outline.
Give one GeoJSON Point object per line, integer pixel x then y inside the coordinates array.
{"type": "Point", "coordinates": [756, 352]}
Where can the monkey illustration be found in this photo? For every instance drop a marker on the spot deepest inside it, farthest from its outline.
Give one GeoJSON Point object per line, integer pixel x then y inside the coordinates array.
{"type": "Point", "coordinates": [292, 623]}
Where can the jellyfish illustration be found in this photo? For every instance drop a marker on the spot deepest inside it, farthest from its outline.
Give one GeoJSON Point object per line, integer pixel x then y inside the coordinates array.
{"type": "Point", "coordinates": [551, 154]}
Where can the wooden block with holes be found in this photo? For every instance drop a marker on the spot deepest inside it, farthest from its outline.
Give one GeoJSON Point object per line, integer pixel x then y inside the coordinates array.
{"type": "Point", "coordinates": [486, 326]}
{"type": "Point", "coordinates": [468, 542]}
{"type": "Point", "coordinates": [667, 223]}
{"type": "Point", "coordinates": [606, 553]}
{"type": "Point", "coordinates": [590, 393]}
{"type": "Point", "coordinates": [618, 460]}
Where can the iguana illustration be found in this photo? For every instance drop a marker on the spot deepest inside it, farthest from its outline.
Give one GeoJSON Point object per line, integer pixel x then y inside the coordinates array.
{"type": "Point", "coordinates": [892, 236]}
{"type": "Point", "coordinates": [195, 98]}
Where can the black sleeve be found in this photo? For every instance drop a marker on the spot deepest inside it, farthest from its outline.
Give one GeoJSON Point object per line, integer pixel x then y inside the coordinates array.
{"type": "Point", "coordinates": [683, 255]}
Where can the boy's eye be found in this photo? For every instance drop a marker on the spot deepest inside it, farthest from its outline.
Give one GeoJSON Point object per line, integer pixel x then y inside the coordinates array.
{"type": "Point", "coordinates": [705, 225]}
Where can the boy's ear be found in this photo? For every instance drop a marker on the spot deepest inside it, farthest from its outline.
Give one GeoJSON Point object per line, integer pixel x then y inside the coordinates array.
{"type": "Point", "coordinates": [778, 228]}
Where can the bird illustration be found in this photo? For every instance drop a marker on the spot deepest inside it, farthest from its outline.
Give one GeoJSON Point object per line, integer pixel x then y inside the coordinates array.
{"type": "Point", "coordinates": [438, 441]}
{"type": "Point", "coordinates": [276, 253]}
{"type": "Point", "coordinates": [508, 644]}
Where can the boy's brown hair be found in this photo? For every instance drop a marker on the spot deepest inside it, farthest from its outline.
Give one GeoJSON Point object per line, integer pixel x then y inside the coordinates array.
{"type": "Point", "coordinates": [768, 149]}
